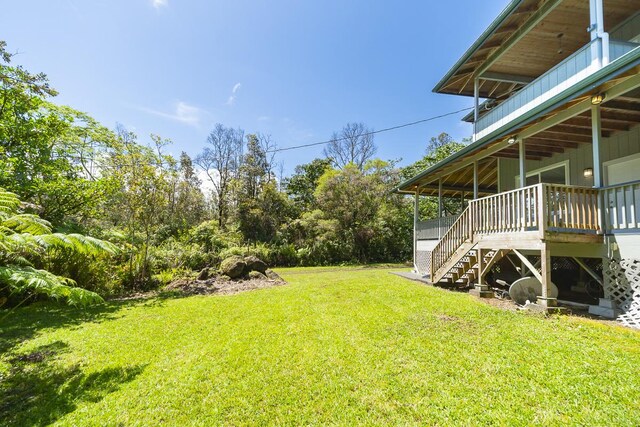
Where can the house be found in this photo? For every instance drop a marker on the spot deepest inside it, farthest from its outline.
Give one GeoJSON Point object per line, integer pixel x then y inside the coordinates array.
{"type": "Point", "coordinates": [551, 179]}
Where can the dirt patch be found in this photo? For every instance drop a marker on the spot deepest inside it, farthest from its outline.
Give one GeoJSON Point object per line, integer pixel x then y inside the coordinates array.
{"type": "Point", "coordinates": [501, 303]}
{"type": "Point", "coordinates": [221, 285]}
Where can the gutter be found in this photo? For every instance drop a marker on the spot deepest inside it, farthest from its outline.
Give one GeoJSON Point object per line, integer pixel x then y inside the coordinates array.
{"type": "Point", "coordinates": [511, 7]}
{"type": "Point", "coordinates": [606, 73]}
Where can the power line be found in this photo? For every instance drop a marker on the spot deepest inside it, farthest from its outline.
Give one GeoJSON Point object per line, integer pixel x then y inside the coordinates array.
{"type": "Point", "coordinates": [295, 147]}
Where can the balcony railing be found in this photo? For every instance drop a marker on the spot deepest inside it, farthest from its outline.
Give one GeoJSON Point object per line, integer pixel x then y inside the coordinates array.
{"type": "Point", "coordinates": [434, 229]}
{"type": "Point", "coordinates": [629, 30]}
{"type": "Point", "coordinates": [564, 75]}
{"type": "Point", "coordinates": [621, 205]}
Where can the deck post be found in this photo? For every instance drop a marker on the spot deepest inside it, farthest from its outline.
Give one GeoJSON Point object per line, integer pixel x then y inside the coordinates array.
{"type": "Point", "coordinates": [440, 208]}
{"type": "Point", "coordinates": [475, 179]}
{"type": "Point", "coordinates": [522, 159]}
{"type": "Point", "coordinates": [476, 106]}
{"type": "Point", "coordinates": [598, 182]}
{"type": "Point", "coordinates": [416, 214]}
{"type": "Point", "coordinates": [545, 300]}
{"type": "Point", "coordinates": [480, 289]}
{"type": "Point", "coordinates": [596, 28]}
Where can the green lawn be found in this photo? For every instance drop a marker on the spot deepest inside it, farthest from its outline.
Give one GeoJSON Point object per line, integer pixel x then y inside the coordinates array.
{"type": "Point", "coordinates": [335, 346]}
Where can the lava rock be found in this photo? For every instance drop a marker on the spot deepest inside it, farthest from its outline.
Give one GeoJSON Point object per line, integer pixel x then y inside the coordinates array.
{"type": "Point", "coordinates": [255, 264]}
{"type": "Point", "coordinates": [256, 275]}
{"type": "Point", "coordinates": [233, 267]}
{"type": "Point", "coordinates": [273, 275]}
{"type": "Point", "coordinates": [204, 274]}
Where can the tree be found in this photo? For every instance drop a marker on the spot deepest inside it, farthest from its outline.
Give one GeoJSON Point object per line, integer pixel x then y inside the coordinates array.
{"type": "Point", "coordinates": [220, 161]}
{"type": "Point", "coordinates": [143, 177]}
{"type": "Point", "coordinates": [300, 187]}
{"type": "Point", "coordinates": [187, 205]}
{"type": "Point", "coordinates": [439, 148]}
{"type": "Point", "coordinates": [352, 145]}
{"type": "Point", "coordinates": [355, 200]}
{"type": "Point", "coordinates": [26, 237]}
{"type": "Point", "coordinates": [254, 169]}
{"type": "Point", "coordinates": [45, 149]}
{"type": "Point", "coordinates": [259, 219]}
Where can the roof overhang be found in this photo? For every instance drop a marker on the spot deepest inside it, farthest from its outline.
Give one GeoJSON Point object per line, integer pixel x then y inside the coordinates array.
{"type": "Point", "coordinates": [527, 39]}
{"type": "Point", "coordinates": [626, 69]}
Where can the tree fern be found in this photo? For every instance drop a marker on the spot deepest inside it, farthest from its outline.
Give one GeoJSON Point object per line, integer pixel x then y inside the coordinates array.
{"type": "Point", "coordinates": [24, 236]}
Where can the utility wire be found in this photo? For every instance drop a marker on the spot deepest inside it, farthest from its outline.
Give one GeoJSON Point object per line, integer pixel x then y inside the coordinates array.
{"type": "Point", "coordinates": [295, 147]}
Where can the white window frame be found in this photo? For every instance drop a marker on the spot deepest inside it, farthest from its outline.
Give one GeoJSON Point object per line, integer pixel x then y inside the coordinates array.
{"type": "Point", "coordinates": [613, 162]}
{"type": "Point", "coordinates": [564, 163]}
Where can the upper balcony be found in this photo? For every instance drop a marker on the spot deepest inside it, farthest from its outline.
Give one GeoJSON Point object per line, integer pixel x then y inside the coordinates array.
{"type": "Point", "coordinates": [563, 76]}
{"type": "Point", "coordinates": [535, 52]}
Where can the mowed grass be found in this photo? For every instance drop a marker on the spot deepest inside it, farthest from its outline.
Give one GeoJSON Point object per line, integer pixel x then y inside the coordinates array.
{"type": "Point", "coordinates": [334, 346]}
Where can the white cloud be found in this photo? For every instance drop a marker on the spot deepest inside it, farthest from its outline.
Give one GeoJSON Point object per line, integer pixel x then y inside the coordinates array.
{"type": "Point", "coordinates": [234, 92]}
{"type": "Point", "coordinates": [183, 113]}
{"type": "Point", "coordinates": [160, 3]}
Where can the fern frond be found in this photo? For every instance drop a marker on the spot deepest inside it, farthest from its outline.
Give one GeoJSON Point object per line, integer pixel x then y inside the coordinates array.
{"type": "Point", "coordinates": [9, 203]}
{"type": "Point", "coordinates": [41, 282]}
{"type": "Point", "coordinates": [27, 223]}
{"type": "Point", "coordinates": [78, 242]}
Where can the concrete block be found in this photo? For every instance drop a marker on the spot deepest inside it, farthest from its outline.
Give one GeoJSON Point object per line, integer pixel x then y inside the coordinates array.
{"type": "Point", "coordinates": [609, 313]}
{"type": "Point", "coordinates": [607, 303]}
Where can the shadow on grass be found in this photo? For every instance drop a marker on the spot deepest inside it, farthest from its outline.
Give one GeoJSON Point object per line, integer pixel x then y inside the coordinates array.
{"type": "Point", "coordinates": [36, 391]}
{"type": "Point", "coordinates": [21, 325]}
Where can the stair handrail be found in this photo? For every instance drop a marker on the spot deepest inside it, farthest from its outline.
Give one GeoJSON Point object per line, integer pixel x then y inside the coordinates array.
{"type": "Point", "coordinates": [461, 230]}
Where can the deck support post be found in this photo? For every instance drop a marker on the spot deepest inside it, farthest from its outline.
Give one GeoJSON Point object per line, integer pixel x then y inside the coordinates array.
{"type": "Point", "coordinates": [439, 208]}
{"type": "Point", "coordinates": [522, 159]}
{"type": "Point", "coordinates": [598, 182]}
{"type": "Point", "coordinates": [545, 300]}
{"type": "Point", "coordinates": [475, 179]}
{"type": "Point", "coordinates": [416, 219]}
{"type": "Point", "coordinates": [480, 288]}
{"type": "Point", "coordinates": [476, 106]}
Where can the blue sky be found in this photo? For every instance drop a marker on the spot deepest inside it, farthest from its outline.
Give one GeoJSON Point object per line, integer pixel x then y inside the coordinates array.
{"type": "Point", "coordinates": [297, 70]}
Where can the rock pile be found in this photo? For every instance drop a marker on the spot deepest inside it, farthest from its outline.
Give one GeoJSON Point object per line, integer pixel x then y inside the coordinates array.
{"type": "Point", "coordinates": [236, 274]}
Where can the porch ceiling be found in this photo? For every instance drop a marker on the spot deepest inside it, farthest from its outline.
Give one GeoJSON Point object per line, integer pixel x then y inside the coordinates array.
{"type": "Point", "coordinates": [533, 38]}
{"type": "Point", "coordinates": [461, 182]}
{"type": "Point", "coordinates": [617, 115]}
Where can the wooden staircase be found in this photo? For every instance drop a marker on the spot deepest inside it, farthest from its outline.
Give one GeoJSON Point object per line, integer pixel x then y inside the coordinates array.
{"type": "Point", "coordinates": [465, 270]}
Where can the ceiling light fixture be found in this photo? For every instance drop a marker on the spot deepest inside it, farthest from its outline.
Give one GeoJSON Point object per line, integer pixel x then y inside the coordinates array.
{"type": "Point", "coordinates": [597, 99]}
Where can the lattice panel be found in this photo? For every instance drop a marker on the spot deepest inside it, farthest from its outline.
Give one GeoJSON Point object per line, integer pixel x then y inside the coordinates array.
{"type": "Point", "coordinates": [423, 262]}
{"type": "Point", "coordinates": [622, 285]}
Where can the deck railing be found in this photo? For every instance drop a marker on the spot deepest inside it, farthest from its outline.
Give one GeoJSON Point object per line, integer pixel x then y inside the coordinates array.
{"type": "Point", "coordinates": [570, 208]}
{"type": "Point", "coordinates": [541, 208]}
{"type": "Point", "coordinates": [434, 229]}
{"type": "Point", "coordinates": [621, 203]}
{"type": "Point", "coordinates": [460, 232]}
{"type": "Point", "coordinates": [564, 75]}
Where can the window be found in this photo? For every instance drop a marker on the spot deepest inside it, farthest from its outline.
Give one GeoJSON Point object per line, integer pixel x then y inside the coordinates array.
{"type": "Point", "coordinates": [554, 174]}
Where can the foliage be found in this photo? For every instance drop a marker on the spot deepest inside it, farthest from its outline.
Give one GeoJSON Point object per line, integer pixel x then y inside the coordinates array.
{"type": "Point", "coordinates": [82, 178]}
{"type": "Point", "coordinates": [355, 199]}
{"type": "Point", "coordinates": [301, 186]}
{"type": "Point", "coordinates": [24, 240]}
{"type": "Point", "coordinates": [47, 152]}
{"type": "Point", "coordinates": [336, 346]}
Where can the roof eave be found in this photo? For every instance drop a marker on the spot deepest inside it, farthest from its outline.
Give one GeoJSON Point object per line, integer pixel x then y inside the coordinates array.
{"type": "Point", "coordinates": [511, 7]}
